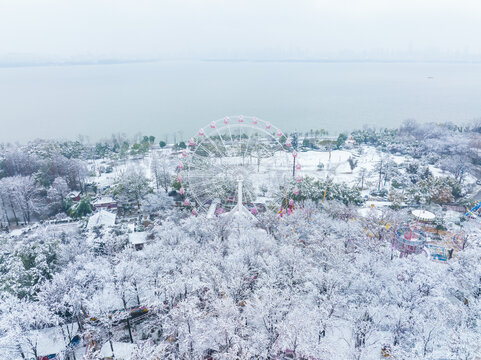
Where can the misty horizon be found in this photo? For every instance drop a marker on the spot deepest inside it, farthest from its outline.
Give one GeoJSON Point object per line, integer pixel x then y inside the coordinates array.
{"type": "Point", "coordinates": [241, 29]}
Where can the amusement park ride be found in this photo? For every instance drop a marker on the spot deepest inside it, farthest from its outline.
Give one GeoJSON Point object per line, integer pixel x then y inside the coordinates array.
{"type": "Point", "coordinates": [228, 162]}
{"type": "Point", "coordinates": [422, 235]}
{"type": "Point", "coordinates": [472, 212]}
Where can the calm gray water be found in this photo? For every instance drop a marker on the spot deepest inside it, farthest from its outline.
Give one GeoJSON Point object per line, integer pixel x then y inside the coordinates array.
{"type": "Point", "coordinates": [167, 97]}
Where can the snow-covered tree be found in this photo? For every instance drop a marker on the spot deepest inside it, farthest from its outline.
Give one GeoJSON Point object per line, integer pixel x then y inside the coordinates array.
{"type": "Point", "coordinates": [26, 195]}
{"type": "Point", "coordinates": [20, 323]}
{"type": "Point", "coordinates": [156, 202]}
{"type": "Point", "coordinates": [132, 185]}
{"type": "Point", "coordinates": [161, 167]}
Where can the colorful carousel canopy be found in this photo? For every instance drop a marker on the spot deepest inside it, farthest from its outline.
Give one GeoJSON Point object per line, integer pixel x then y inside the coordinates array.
{"type": "Point", "coordinates": [423, 215]}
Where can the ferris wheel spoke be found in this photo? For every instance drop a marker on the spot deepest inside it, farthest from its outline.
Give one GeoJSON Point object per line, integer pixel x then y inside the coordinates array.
{"type": "Point", "coordinates": [202, 146]}
{"type": "Point", "coordinates": [231, 139]}
{"type": "Point", "coordinates": [221, 137]}
{"type": "Point", "coordinates": [253, 199]}
{"type": "Point", "coordinates": [205, 149]}
{"type": "Point", "coordinates": [205, 184]}
{"type": "Point", "coordinates": [201, 194]}
{"type": "Point", "coordinates": [247, 142]}
{"type": "Point", "coordinates": [210, 166]}
{"type": "Point", "coordinates": [268, 152]}
{"type": "Point", "coordinates": [199, 175]}
{"type": "Point", "coordinates": [248, 134]}
{"type": "Point", "coordinates": [195, 184]}
{"type": "Point", "coordinates": [198, 158]}
{"type": "Point", "coordinates": [200, 182]}
{"type": "Point", "coordinates": [203, 198]}
{"type": "Point", "coordinates": [250, 195]}
{"type": "Point", "coordinates": [236, 194]}
{"type": "Point", "coordinates": [195, 162]}
{"type": "Point", "coordinates": [193, 172]}
{"type": "Point", "coordinates": [215, 145]}
{"type": "Point", "coordinates": [203, 174]}
{"type": "Point", "coordinates": [240, 143]}
{"type": "Point", "coordinates": [205, 161]}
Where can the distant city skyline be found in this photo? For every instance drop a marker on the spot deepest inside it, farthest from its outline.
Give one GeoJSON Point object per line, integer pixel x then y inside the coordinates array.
{"type": "Point", "coordinates": [55, 30]}
{"type": "Point", "coordinates": [374, 55]}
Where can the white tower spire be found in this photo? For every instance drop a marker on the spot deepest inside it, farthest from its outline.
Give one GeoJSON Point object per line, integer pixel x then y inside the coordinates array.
{"type": "Point", "coordinates": [239, 208]}
{"type": "Point", "coordinates": [240, 179]}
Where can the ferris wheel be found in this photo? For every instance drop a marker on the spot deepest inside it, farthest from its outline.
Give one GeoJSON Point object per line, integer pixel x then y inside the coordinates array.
{"type": "Point", "coordinates": [236, 163]}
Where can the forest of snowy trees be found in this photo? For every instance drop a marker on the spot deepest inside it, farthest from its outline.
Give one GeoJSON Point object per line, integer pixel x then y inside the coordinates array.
{"type": "Point", "coordinates": [312, 283]}
{"type": "Point", "coordinates": [323, 282]}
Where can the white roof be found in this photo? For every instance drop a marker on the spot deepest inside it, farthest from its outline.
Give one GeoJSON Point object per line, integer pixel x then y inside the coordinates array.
{"type": "Point", "coordinates": [423, 214]}
{"type": "Point", "coordinates": [16, 232]}
{"type": "Point", "coordinates": [74, 193]}
{"type": "Point", "coordinates": [101, 218]}
{"type": "Point", "coordinates": [138, 238]}
{"type": "Point", "coordinates": [49, 340]}
{"type": "Point", "coordinates": [369, 212]}
{"type": "Point", "coordinates": [104, 200]}
{"type": "Point", "coordinates": [121, 350]}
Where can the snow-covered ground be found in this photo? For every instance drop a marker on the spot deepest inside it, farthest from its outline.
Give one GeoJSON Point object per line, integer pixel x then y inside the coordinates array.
{"type": "Point", "coordinates": [335, 165]}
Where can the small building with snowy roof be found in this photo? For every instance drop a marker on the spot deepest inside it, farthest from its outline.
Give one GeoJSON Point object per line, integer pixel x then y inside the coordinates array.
{"type": "Point", "coordinates": [105, 202]}
{"type": "Point", "coordinates": [138, 239]}
{"type": "Point", "coordinates": [350, 142]}
{"type": "Point", "coordinates": [74, 195]}
{"type": "Point", "coordinates": [101, 218]}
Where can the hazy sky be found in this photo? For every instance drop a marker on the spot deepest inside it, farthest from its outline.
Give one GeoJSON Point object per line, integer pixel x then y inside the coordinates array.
{"type": "Point", "coordinates": [245, 28]}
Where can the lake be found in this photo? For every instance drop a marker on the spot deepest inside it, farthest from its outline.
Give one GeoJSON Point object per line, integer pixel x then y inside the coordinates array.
{"type": "Point", "coordinates": [164, 98]}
